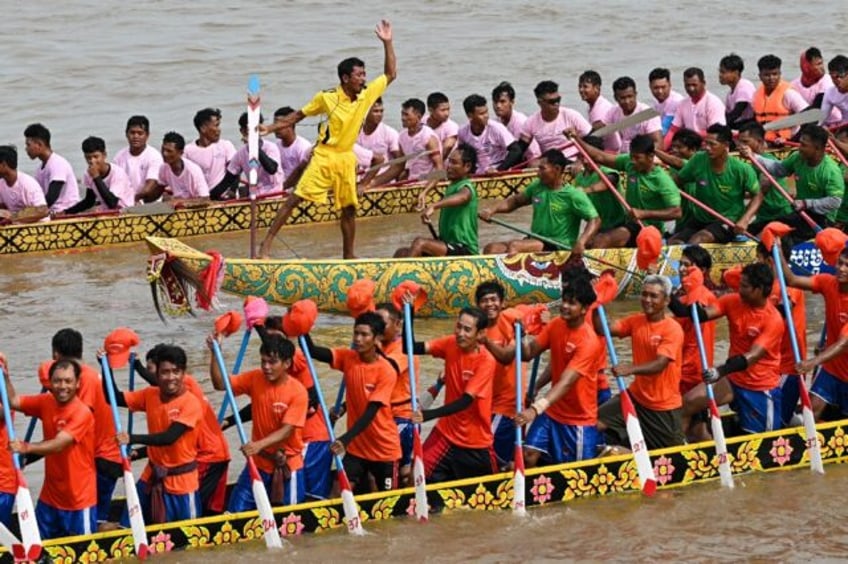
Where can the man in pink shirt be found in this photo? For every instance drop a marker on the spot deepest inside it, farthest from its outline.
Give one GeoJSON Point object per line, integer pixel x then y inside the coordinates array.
{"type": "Point", "coordinates": [209, 151]}
{"type": "Point", "coordinates": [835, 99]}
{"type": "Point", "coordinates": [55, 175]}
{"type": "Point", "coordinates": [106, 186]}
{"type": "Point", "coordinates": [700, 110]}
{"type": "Point", "coordinates": [814, 79]}
{"type": "Point", "coordinates": [665, 99]}
{"type": "Point", "coordinates": [294, 149]}
{"type": "Point", "coordinates": [503, 102]}
{"type": "Point", "coordinates": [414, 138]}
{"type": "Point", "coordinates": [18, 190]}
{"type": "Point", "coordinates": [182, 176]}
{"type": "Point", "coordinates": [547, 125]}
{"type": "Point", "coordinates": [491, 140]}
{"type": "Point", "coordinates": [139, 160]}
{"type": "Point", "coordinates": [440, 122]}
{"type": "Point", "coordinates": [589, 88]}
{"type": "Point", "coordinates": [382, 139]}
{"type": "Point", "coordinates": [737, 103]}
{"type": "Point", "coordinates": [269, 176]}
{"type": "Point", "coordinates": [624, 90]}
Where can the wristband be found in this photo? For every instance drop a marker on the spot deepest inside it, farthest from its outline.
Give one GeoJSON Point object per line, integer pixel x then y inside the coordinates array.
{"type": "Point", "coordinates": [540, 405]}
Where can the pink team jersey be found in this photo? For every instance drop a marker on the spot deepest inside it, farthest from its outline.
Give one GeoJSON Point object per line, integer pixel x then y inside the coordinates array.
{"type": "Point", "coordinates": [364, 157]}
{"type": "Point", "coordinates": [516, 126]}
{"type": "Point", "coordinates": [834, 102]}
{"type": "Point", "coordinates": [140, 168]}
{"type": "Point", "coordinates": [265, 183]}
{"type": "Point", "coordinates": [809, 93]}
{"type": "Point", "coordinates": [412, 144]}
{"type": "Point", "coordinates": [118, 183]}
{"type": "Point", "coordinates": [382, 141]}
{"type": "Point", "coordinates": [668, 107]}
{"type": "Point", "coordinates": [445, 130]}
{"type": "Point", "coordinates": [189, 184]}
{"type": "Point", "coordinates": [621, 140]}
{"type": "Point", "coordinates": [698, 116]}
{"type": "Point", "coordinates": [24, 193]}
{"type": "Point", "coordinates": [549, 134]}
{"type": "Point", "coordinates": [744, 92]}
{"type": "Point", "coordinates": [292, 156]}
{"type": "Point", "coordinates": [57, 168]}
{"type": "Point", "coordinates": [490, 145]}
{"type": "Point", "coordinates": [599, 110]}
{"type": "Point", "coordinates": [211, 159]}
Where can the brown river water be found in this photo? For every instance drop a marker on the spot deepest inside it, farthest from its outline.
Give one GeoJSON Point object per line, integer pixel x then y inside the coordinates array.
{"type": "Point", "coordinates": [82, 67]}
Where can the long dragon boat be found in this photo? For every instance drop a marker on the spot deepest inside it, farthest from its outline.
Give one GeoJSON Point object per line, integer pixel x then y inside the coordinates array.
{"type": "Point", "coordinates": [449, 281]}
{"type": "Point", "coordinates": [112, 228]}
{"type": "Point", "coordinates": [674, 467]}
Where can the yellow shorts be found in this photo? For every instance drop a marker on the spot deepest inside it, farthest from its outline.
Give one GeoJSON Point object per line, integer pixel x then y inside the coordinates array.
{"type": "Point", "coordinates": [329, 170]}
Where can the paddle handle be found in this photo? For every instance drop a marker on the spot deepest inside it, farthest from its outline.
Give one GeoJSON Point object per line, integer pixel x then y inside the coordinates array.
{"type": "Point", "coordinates": [519, 400]}
{"type": "Point", "coordinates": [702, 350]}
{"type": "Point", "coordinates": [7, 417]}
{"type": "Point", "coordinates": [787, 308]}
{"type": "Point", "coordinates": [315, 382]}
{"type": "Point", "coordinates": [113, 403]}
{"type": "Point", "coordinates": [410, 358]}
{"type": "Point", "coordinates": [776, 185]}
{"type": "Point", "coordinates": [228, 389]}
{"type": "Point", "coordinates": [837, 151]}
{"type": "Point", "coordinates": [131, 387]}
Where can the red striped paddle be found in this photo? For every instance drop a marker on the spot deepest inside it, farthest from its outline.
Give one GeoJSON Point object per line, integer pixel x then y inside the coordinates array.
{"type": "Point", "coordinates": [519, 505]}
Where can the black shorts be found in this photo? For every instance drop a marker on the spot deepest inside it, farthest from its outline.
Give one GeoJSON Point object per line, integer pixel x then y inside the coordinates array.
{"type": "Point", "coordinates": [444, 461]}
{"type": "Point", "coordinates": [633, 228]}
{"type": "Point", "coordinates": [213, 486]}
{"type": "Point", "coordinates": [661, 429]}
{"type": "Point", "coordinates": [359, 471]}
{"type": "Point", "coordinates": [458, 250]}
{"type": "Point", "coordinates": [721, 232]}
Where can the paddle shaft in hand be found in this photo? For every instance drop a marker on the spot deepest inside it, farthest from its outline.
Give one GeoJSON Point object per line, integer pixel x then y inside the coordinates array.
{"type": "Point", "coordinates": [776, 185]}
{"type": "Point", "coordinates": [618, 196]}
{"type": "Point", "coordinates": [519, 504]}
{"type": "Point", "coordinates": [715, 214]}
{"type": "Point", "coordinates": [422, 509]}
{"type": "Point", "coordinates": [245, 340]}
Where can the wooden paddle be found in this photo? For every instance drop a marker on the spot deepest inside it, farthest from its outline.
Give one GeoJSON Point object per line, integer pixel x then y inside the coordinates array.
{"type": "Point", "coordinates": [23, 499]}
{"type": "Point", "coordinates": [813, 446]}
{"type": "Point", "coordinates": [154, 208]}
{"type": "Point", "coordinates": [807, 116]}
{"type": "Point", "coordinates": [422, 509]}
{"type": "Point", "coordinates": [724, 470]}
{"type": "Point", "coordinates": [715, 214]}
{"type": "Point", "coordinates": [519, 504]}
{"type": "Point", "coordinates": [142, 547]}
{"type": "Point", "coordinates": [644, 467]}
{"type": "Point", "coordinates": [260, 494]}
{"type": "Point", "coordinates": [629, 121]}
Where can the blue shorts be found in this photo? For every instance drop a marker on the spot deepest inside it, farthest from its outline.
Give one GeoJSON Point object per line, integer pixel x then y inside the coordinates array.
{"type": "Point", "coordinates": [241, 498]}
{"type": "Point", "coordinates": [560, 442]}
{"type": "Point", "coordinates": [178, 507]}
{"type": "Point", "coordinates": [832, 390]}
{"type": "Point", "coordinates": [757, 411]}
{"type": "Point", "coordinates": [7, 501]}
{"type": "Point", "coordinates": [791, 392]}
{"type": "Point", "coordinates": [54, 523]}
{"type": "Point", "coordinates": [317, 476]}
{"type": "Point", "coordinates": [405, 433]}
{"type": "Point", "coordinates": [503, 429]}
{"type": "Point", "coordinates": [604, 396]}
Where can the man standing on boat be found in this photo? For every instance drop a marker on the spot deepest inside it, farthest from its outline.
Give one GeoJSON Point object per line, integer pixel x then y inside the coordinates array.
{"type": "Point", "coordinates": [333, 164]}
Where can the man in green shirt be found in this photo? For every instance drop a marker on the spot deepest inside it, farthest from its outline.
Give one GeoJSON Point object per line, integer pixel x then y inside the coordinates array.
{"type": "Point", "coordinates": [819, 185]}
{"type": "Point", "coordinates": [841, 142]}
{"type": "Point", "coordinates": [557, 212]}
{"type": "Point", "coordinates": [684, 144]}
{"type": "Point", "coordinates": [721, 182]}
{"type": "Point", "coordinates": [458, 216]}
{"type": "Point", "coordinates": [652, 195]}
{"type": "Point", "coordinates": [610, 209]}
{"type": "Point", "coordinates": [774, 206]}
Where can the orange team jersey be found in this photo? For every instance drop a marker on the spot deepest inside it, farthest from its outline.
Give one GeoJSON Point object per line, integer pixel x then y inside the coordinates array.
{"type": "Point", "coordinates": [836, 315]}
{"type": "Point", "coordinates": [185, 409]}
{"type": "Point", "coordinates": [8, 479]}
{"type": "Point", "coordinates": [799, 318]}
{"type": "Point", "coordinates": [275, 405]}
{"type": "Point", "coordinates": [603, 381]}
{"type": "Point", "coordinates": [315, 428]}
{"type": "Point", "coordinates": [691, 371]}
{"type": "Point", "coordinates": [503, 387]}
{"type": "Point", "coordinates": [401, 398]}
{"type": "Point", "coordinates": [576, 349]}
{"type": "Point", "coordinates": [91, 393]}
{"type": "Point", "coordinates": [367, 382]}
{"type": "Point", "coordinates": [650, 340]}
{"type": "Point", "coordinates": [748, 326]}
{"type": "Point", "coordinates": [70, 477]}
{"type": "Point", "coordinates": [471, 373]}
{"type": "Point", "coordinates": [212, 445]}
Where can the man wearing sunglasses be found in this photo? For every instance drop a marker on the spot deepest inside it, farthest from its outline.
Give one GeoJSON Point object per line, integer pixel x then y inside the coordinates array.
{"type": "Point", "coordinates": [546, 126]}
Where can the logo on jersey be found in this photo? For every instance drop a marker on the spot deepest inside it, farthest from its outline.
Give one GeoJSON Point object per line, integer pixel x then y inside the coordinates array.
{"type": "Point", "coordinates": [655, 340]}
{"type": "Point", "coordinates": [173, 413]}
{"type": "Point", "coordinates": [467, 375]}
{"type": "Point", "coordinates": [279, 407]}
{"type": "Point", "coordinates": [843, 317]}
{"type": "Point", "coordinates": [370, 388]}
{"type": "Point", "coordinates": [570, 347]}
{"type": "Point", "coordinates": [60, 424]}
{"type": "Point", "coordinates": [753, 332]}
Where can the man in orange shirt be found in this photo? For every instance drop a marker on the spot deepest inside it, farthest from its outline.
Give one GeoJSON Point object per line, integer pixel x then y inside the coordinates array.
{"type": "Point", "coordinates": [461, 443]}
{"type": "Point", "coordinates": [67, 505]}
{"type": "Point", "coordinates": [168, 488]}
{"type": "Point", "coordinates": [370, 445]}
{"type": "Point", "coordinates": [8, 481]}
{"type": "Point", "coordinates": [752, 386]}
{"type": "Point", "coordinates": [657, 342]}
{"type": "Point", "coordinates": [278, 406]}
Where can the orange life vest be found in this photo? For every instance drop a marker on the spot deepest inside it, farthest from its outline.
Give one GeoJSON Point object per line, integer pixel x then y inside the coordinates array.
{"type": "Point", "coordinates": [770, 107]}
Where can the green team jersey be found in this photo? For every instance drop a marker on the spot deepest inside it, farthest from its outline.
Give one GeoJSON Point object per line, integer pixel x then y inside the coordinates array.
{"type": "Point", "coordinates": [458, 225]}
{"type": "Point", "coordinates": [654, 190]}
{"type": "Point", "coordinates": [842, 212]}
{"type": "Point", "coordinates": [774, 205]}
{"type": "Point", "coordinates": [722, 191]}
{"type": "Point", "coordinates": [607, 205]}
{"type": "Point", "coordinates": [557, 212]}
{"type": "Point", "coordinates": [686, 207]}
{"type": "Point", "coordinates": [812, 182]}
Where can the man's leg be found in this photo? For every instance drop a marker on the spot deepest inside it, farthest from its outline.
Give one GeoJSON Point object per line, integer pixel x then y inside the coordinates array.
{"type": "Point", "coordinates": [612, 239]}
{"type": "Point", "coordinates": [348, 231]}
{"type": "Point", "coordinates": [427, 247]}
{"type": "Point", "coordinates": [280, 219]}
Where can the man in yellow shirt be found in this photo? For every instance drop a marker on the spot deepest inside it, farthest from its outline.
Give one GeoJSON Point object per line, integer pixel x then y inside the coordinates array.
{"type": "Point", "coordinates": [333, 164]}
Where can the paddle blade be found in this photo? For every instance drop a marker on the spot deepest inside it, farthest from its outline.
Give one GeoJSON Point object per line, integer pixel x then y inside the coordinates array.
{"type": "Point", "coordinates": [812, 438]}
{"type": "Point", "coordinates": [351, 511]}
{"type": "Point", "coordinates": [135, 514]}
{"type": "Point", "coordinates": [10, 541]}
{"type": "Point", "coordinates": [266, 513]}
{"type": "Point", "coordinates": [26, 518]}
{"type": "Point", "coordinates": [519, 502]}
{"type": "Point", "coordinates": [724, 470]}
{"type": "Point", "coordinates": [428, 397]}
{"type": "Point", "coordinates": [422, 508]}
{"type": "Point", "coordinates": [638, 446]}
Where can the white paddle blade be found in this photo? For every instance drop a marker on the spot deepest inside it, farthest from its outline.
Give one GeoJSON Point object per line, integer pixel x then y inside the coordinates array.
{"type": "Point", "coordinates": [136, 516]}
{"type": "Point", "coordinates": [266, 513]}
{"type": "Point", "coordinates": [638, 446]}
{"type": "Point", "coordinates": [351, 512]}
{"type": "Point", "coordinates": [7, 539]}
{"type": "Point", "coordinates": [724, 470]}
{"type": "Point", "coordinates": [26, 519]}
{"type": "Point", "coordinates": [812, 439]}
{"type": "Point", "coordinates": [422, 509]}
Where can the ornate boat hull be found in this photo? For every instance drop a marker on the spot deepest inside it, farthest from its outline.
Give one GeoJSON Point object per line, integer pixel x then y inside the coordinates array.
{"type": "Point", "coordinates": [674, 467]}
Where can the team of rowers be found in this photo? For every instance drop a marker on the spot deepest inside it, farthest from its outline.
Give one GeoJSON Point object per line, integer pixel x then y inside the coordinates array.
{"type": "Point", "coordinates": [574, 419]}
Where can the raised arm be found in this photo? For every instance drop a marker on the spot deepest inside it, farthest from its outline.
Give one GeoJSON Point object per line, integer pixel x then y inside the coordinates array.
{"type": "Point", "coordinates": [384, 32]}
